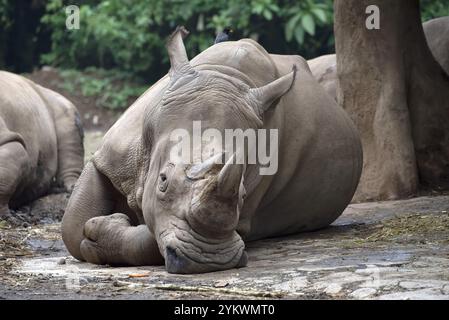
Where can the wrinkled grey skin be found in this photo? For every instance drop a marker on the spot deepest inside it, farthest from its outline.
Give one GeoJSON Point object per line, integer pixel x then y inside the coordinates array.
{"type": "Point", "coordinates": [324, 68]}
{"type": "Point", "coordinates": [40, 141]}
{"type": "Point", "coordinates": [132, 206]}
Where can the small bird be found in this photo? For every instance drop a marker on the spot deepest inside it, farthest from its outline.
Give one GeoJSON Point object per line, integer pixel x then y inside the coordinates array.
{"type": "Point", "coordinates": [224, 35]}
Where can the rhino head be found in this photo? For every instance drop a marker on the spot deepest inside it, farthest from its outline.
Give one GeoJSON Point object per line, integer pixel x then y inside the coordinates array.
{"type": "Point", "coordinates": [193, 209]}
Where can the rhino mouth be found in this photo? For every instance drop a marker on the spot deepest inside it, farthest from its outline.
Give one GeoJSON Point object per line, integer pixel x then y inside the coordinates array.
{"type": "Point", "coordinates": [186, 252]}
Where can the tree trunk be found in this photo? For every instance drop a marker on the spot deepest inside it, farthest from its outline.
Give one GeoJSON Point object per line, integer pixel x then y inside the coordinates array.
{"type": "Point", "coordinates": [397, 95]}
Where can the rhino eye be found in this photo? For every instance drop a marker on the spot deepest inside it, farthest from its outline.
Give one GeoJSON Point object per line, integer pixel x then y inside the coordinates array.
{"type": "Point", "coordinates": [163, 182]}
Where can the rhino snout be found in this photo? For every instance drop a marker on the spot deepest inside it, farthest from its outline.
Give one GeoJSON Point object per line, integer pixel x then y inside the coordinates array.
{"type": "Point", "coordinates": [175, 263]}
{"type": "Point", "coordinates": [187, 252]}
{"type": "Point", "coordinates": [178, 264]}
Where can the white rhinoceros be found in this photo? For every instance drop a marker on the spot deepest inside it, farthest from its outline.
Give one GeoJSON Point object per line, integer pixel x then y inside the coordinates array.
{"type": "Point", "coordinates": [134, 205]}
{"type": "Point", "coordinates": [40, 141]}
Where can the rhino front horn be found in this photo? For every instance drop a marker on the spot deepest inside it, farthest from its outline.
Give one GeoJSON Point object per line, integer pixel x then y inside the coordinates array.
{"type": "Point", "coordinates": [228, 182]}
{"type": "Point", "coordinates": [180, 65]}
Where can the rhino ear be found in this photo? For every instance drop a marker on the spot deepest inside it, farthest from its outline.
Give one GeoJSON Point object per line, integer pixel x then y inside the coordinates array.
{"type": "Point", "coordinates": [180, 65]}
{"type": "Point", "coordinates": [268, 94]}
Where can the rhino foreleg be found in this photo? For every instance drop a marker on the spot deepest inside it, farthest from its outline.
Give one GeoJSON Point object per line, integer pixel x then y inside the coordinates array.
{"type": "Point", "coordinates": [14, 163]}
{"type": "Point", "coordinates": [93, 232]}
{"type": "Point", "coordinates": [112, 240]}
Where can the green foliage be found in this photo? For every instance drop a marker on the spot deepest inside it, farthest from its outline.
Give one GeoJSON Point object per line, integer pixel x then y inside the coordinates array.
{"type": "Point", "coordinates": [305, 16]}
{"type": "Point", "coordinates": [431, 9]}
{"type": "Point", "coordinates": [131, 37]}
{"type": "Point", "coordinates": [5, 24]}
{"type": "Point", "coordinates": [111, 88]}
{"type": "Point", "coordinates": [128, 37]}
{"type": "Point", "coordinates": [5, 14]}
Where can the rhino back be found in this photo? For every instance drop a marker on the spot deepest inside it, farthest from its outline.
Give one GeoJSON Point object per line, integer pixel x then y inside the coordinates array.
{"type": "Point", "coordinates": [24, 112]}
{"type": "Point", "coordinates": [246, 56]}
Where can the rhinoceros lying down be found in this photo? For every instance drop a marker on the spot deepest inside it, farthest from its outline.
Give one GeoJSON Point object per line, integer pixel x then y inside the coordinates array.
{"type": "Point", "coordinates": [134, 205]}
{"type": "Point", "coordinates": [40, 141]}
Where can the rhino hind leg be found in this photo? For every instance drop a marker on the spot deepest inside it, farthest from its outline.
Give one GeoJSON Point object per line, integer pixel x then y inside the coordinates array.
{"type": "Point", "coordinates": [92, 231]}
{"type": "Point", "coordinates": [14, 165]}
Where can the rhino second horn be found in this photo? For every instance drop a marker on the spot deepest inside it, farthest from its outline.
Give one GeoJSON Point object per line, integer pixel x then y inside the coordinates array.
{"type": "Point", "coordinates": [269, 93]}
{"type": "Point", "coordinates": [229, 178]}
{"type": "Point", "coordinates": [199, 170]}
{"type": "Point", "coordinates": [180, 65]}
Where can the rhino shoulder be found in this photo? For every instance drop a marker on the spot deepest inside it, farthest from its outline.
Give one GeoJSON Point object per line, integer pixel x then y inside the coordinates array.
{"type": "Point", "coordinates": [121, 157]}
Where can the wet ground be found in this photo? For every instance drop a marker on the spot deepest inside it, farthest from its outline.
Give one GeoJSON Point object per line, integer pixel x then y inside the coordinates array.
{"type": "Point", "coordinates": [379, 250]}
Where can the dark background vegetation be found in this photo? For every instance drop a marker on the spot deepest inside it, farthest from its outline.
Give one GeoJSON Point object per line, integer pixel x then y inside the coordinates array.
{"type": "Point", "coordinates": [119, 49]}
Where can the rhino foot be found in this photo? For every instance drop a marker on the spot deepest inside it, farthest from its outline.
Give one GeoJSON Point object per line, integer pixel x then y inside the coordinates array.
{"type": "Point", "coordinates": [104, 239]}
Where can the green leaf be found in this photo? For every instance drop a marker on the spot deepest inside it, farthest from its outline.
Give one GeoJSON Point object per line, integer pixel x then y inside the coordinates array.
{"type": "Point", "coordinates": [308, 23]}
{"type": "Point", "coordinates": [320, 14]}
{"type": "Point", "coordinates": [273, 7]}
{"type": "Point", "coordinates": [291, 26]}
{"type": "Point", "coordinates": [267, 14]}
{"type": "Point", "coordinates": [299, 35]}
{"type": "Point", "coordinates": [258, 8]}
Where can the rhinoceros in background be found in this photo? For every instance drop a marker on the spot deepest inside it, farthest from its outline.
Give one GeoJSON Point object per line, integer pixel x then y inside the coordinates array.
{"type": "Point", "coordinates": [324, 68]}
{"type": "Point", "coordinates": [133, 205]}
{"type": "Point", "coordinates": [437, 35]}
{"type": "Point", "coordinates": [40, 141]}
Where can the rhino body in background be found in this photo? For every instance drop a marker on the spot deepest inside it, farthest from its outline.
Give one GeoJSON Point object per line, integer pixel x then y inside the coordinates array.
{"type": "Point", "coordinates": [134, 206]}
{"type": "Point", "coordinates": [324, 68]}
{"type": "Point", "coordinates": [437, 35]}
{"type": "Point", "coordinates": [40, 141]}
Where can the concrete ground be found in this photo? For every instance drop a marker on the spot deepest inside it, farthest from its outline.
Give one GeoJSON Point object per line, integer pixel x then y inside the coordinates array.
{"type": "Point", "coordinates": [379, 250]}
{"type": "Point", "coordinates": [388, 250]}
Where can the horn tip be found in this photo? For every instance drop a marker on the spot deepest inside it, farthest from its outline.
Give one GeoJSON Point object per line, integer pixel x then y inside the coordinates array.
{"type": "Point", "coordinates": [179, 29]}
{"type": "Point", "coordinates": [295, 73]}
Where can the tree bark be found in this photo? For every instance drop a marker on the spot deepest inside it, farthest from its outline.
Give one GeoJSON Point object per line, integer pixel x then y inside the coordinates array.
{"type": "Point", "coordinates": [397, 95]}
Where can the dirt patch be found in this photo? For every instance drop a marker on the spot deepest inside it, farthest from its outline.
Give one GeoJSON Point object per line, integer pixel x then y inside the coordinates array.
{"type": "Point", "coordinates": [48, 209]}
{"type": "Point", "coordinates": [413, 228]}
{"type": "Point", "coordinates": [92, 140]}
{"type": "Point", "coordinates": [22, 230]}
